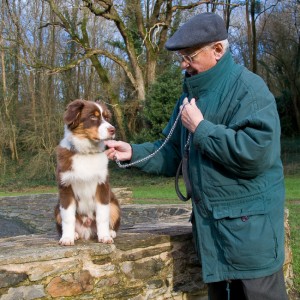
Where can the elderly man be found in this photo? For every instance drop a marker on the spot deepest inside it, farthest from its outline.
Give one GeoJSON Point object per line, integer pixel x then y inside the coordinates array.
{"type": "Point", "coordinates": [230, 132]}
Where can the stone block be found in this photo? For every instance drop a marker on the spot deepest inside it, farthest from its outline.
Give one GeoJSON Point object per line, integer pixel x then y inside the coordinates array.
{"type": "Point", "coordinates": [10, 279]}
{"type": "Point", "coordinates": [71, 285]}
{"type": "Point", "coordinates": [24, 292]}
{"type": "Point", "coordinates": [124, 195]}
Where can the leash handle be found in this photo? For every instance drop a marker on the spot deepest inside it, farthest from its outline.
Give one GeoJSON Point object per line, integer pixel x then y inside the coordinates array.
{"type": "Point", "coordinates": [183, 167]}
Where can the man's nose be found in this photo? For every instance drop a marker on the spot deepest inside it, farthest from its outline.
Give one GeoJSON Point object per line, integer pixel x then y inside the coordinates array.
{"type": "Point", "coordinates": [184, 64]}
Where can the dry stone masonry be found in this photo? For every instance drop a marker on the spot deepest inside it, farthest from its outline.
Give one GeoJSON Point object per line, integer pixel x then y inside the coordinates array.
{"type": "Point", "coordinates": [153, 256]}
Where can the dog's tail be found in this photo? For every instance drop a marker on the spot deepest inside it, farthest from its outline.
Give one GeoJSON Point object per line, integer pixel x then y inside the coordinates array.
{"type": "Point", "coordinates": [58, 219]}
{"type": "Point", "coordinates": [115, 213]}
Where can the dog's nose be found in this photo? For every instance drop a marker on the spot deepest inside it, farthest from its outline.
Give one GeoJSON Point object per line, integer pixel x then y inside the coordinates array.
{"type": "Point", "coordinates": [111, 130]}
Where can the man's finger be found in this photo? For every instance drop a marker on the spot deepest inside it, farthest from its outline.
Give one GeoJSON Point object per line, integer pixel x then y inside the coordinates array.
{"type": "Point", "coordinates": [110, 143]}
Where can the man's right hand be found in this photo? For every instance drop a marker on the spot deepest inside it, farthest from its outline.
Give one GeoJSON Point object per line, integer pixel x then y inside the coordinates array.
{"type": "Point", "coordinates": [118, 150]}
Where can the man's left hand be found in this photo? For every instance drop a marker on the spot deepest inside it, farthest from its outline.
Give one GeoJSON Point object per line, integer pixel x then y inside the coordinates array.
{"type": "Point", "coordinates": [191, 115]}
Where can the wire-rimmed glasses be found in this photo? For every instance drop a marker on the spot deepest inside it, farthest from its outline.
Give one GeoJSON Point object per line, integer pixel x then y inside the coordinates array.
{"type": "Point", "coordinates": [189, 58]}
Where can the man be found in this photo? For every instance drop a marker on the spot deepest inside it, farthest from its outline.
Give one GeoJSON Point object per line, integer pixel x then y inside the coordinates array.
{"type": "Point", "coordinates": [234, 164]}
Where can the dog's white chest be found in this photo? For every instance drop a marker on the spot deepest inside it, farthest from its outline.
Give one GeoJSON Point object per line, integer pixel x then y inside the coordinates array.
{"type": "Point", "coordinates": [86, 173]}
{"type": "Point", "coordinates": [86, 169]}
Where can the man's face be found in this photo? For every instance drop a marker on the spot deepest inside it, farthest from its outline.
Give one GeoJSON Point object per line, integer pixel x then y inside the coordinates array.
{"type": "Point", "coordinates": [195, 61]}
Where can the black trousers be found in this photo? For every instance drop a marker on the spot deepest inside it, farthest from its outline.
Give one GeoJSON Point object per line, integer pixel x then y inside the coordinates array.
{"type": "Point", "coordinates": [266, 288]}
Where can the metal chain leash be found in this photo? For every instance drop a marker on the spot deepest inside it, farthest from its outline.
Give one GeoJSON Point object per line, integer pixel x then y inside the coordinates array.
{"type": "Point", "coordinates": [157, 150]}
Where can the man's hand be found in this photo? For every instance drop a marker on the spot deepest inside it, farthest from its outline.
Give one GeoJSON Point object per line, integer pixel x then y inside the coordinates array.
{"type": "Point", "coordinates": [118, 150]}
{"type": "Point", "coordinates": [191, 115]}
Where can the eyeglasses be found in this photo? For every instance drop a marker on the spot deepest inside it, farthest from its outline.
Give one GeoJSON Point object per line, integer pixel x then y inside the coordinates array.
{"type": "Point", "coordinates": [189, 58]}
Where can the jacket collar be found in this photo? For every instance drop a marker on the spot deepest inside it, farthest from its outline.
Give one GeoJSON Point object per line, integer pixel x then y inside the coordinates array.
{"type": "Point", "coordinates": [209, 79]}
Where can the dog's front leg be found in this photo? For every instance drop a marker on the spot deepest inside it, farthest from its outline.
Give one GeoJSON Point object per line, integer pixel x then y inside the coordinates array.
{"type": "Point", "coordinates": [102, 220]}
{"type": "Point", "coordinates": [68, 224]}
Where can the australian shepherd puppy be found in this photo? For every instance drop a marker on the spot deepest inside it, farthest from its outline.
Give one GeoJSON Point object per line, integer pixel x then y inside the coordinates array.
{"type": "Point", "coordinates": [87, 208]}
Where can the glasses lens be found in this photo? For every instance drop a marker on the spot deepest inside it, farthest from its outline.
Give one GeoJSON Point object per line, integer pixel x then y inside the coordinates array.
{"type": "Point", "coordinates": [177, 57]}
{"type": "Point", "coordinates": [180, 57]}
{"type": "Point", "coordinates": [187, 59]}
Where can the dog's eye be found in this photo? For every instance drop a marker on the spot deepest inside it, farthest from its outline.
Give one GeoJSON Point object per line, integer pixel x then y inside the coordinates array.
{"type": "Point", "coordinates": [106, 117]}
{"type": "Point", "coordinates": [93, 118]}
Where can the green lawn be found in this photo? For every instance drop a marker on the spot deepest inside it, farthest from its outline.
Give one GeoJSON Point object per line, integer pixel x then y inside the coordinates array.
{"type": "Point", "coordinates": [294, 221]}
{"type": "Point", "coordinates": [33, 190]}
{"type": "Point", "coordinates": [292, 184]}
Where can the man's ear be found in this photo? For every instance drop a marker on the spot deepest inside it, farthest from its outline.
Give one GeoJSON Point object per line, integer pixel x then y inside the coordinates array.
{"type": "Point", "coordinates": [218, 50]}
{"type": "Point", "coordinates": [72, 113]}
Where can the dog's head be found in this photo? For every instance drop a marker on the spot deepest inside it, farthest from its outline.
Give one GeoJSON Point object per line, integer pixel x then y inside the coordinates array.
{"type": "Point", "coordinates": [89, 120]}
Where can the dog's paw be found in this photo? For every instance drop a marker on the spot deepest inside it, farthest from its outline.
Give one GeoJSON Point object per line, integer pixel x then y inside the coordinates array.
{"type": "Point", "coordinates": [113, 234]}
{"type": "Point", "coordinates": [76, 236]}
{"type": "Point", "coordinates": [66, 241]}
{"type": "Point", "coordinates": [105, 239]}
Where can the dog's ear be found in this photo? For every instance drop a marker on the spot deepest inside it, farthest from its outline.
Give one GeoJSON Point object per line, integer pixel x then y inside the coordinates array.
{"type": "Point", "coordinates": [73, 112]}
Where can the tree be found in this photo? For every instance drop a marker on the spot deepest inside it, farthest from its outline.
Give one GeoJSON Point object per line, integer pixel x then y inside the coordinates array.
{"type": "Point", "coordinates": [140, 31]}
{"type": "Point", "coordinates": [9, 89]}
{"type": "Point", "coordinates": [161, 98]}
{"type": "Point", "coordinates": [282, 55]}
{"type": "Point", "coordinates": [54, 51]}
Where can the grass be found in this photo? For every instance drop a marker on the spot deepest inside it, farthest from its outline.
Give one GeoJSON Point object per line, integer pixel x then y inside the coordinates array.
{"type": "Point", "coordinates": [38, 189]}
{"type": "Point", "coordinates": [292, 186]}
{"type": "Point", "coordinates": [294, 221]}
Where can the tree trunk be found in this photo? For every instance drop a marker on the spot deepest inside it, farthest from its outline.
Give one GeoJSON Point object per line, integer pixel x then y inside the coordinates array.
{"type": "Point", "coordinates": [12, 128]}
{"type": "Point", "coordinates": [295, 99]}
{"type": "Point", "coordinates": [254, 39]}
{"type": "Point", "coordinates": [249, 63]}
{"type": "Point", "coordinates": [226, 13]}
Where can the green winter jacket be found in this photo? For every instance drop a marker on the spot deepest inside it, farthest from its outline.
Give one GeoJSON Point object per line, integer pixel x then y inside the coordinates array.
{"type": "Point", "coordinates": [235, 171]}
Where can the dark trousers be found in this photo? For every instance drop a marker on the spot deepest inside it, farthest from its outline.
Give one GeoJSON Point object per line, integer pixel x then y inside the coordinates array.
{"type": "Point", "coordinates": [266, 288]}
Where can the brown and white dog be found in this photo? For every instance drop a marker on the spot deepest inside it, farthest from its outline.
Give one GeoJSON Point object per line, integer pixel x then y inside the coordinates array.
{"type": "Point", "coordinates": [87, 208]}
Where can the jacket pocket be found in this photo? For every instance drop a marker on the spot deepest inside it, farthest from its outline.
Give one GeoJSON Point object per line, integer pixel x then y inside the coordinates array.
{"type": "Point", "coordinates": [246, 236]}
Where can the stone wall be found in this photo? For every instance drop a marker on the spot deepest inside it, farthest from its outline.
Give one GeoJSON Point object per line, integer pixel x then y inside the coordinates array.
{"type": "Point", "coordinates": [137, 266]}
{"type": "Point", "coordinates": [153, 256]}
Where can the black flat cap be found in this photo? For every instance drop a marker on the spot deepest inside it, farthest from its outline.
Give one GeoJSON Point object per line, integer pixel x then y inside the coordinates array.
{"type": "Point", "coordinates": [201, 29]}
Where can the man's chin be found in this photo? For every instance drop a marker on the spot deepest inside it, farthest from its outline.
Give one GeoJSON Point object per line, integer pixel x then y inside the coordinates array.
{"type": "Point", "coordinates": [192, 72]}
